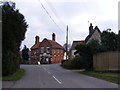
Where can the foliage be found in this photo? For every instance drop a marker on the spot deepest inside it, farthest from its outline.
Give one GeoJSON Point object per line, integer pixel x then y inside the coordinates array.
{"type": "Point", "coordinates": [16, 76]}
{"type": "Point", "coordinates": [109, 41]}
{"type": "Point", "coordinates": [25, 55]}
{"type": "Point", "coordinates": [13, 32]}
{"type": "Point", "coordinates": [63, 61]}
{"type": "Point", "coordinates": [75, 63]}
{"type": "Point", "coordinates": [87, 51]}
{"type": "Point", "coordinates": [118, 42]}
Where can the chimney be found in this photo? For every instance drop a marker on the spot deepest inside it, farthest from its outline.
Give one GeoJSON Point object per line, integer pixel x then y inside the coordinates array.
{"type": "Point", "coordinates": [36, 39]}
{"type": "Point", "coordinates": [90, 28]}
{"type": "Point", "coordinates": [53, 36]}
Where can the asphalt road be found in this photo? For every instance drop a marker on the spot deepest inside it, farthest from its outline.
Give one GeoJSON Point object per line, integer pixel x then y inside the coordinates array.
{"type": "Point", "coordinates": [54, 76]}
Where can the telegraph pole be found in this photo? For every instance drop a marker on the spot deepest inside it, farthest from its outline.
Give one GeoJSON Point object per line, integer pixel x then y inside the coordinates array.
{"type": "Point", "coordinates": [66, 42]}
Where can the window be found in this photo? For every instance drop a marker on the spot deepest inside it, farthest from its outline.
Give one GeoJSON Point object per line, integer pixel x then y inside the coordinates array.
{"type": "Point", "coordinates": [59, 57]}
{"type": "Point", "coordinates": [47, 49]}
{"type": "Point", "coordinates": [54, 57]}
{"type": "Point", "coordinates": [54, 51]}
{"type": "Point", "coordinates": [58, 50]}
{"type": "Point", "coordinates": [35, 52]}
{"type": "Point", "coordinates": [61, 51]}
{"type": "Point", "coordinates": [42, 49]}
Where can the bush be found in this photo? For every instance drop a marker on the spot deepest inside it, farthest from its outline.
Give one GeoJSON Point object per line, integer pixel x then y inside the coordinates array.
{"type": "Point", "coordinates": [75, 63]}
{"type": "Point", "coordinates": [78, 62]}
{"type": "Point", "coordinates": [63, 61]}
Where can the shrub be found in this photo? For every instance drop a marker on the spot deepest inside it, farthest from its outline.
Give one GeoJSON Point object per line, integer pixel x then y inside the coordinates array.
{"type": "Point", "coordinates": [63, 61]}
{"type": "Point", "coordinates": [75, 63]}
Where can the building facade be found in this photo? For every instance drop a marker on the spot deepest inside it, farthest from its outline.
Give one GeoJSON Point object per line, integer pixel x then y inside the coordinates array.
{"type": "Point", "coordinates": [73, 50]}
{"type": "Point", "coordinates": [47, 51]}
{"type": "Point", "coordinates": [93, 34]}
{"type": "Point", "coordinates": [35, 52]}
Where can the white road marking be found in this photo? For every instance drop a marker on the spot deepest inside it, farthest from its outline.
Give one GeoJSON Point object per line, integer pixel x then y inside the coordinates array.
{"type": "Point", "coordinates": [44, 68]}
{"type": "Point", "coordinates": [57, 80]}
{"type": "Point", "coordinates": [49, 72]}
{"type": "Point", "coordinates": [53, 76]}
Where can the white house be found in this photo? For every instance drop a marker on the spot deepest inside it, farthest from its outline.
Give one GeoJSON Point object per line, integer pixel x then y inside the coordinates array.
{"type": "Point", "coordinates": [73, 50]}
{"type": "Point", "coordinates": [93, 34]}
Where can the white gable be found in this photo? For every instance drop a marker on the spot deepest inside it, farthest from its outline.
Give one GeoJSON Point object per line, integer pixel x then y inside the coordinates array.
{"type": "Point", "coordinates": [96, 36]}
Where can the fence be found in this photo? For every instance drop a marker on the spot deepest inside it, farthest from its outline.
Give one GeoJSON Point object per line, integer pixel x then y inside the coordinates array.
{"type": "Point", "coordinates": [106, 61]}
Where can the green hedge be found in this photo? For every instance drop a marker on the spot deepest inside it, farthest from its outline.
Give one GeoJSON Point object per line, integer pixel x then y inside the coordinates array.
{"type": "Point", "coordinates": [75, 63]}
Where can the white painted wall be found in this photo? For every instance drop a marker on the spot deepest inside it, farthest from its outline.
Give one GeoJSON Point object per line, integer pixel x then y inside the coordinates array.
{"type": "Point", "coordinates": [96, 36]}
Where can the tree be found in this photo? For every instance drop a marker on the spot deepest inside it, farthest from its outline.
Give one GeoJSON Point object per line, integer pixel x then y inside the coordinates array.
{"type": "Point", "coordinates": [109, 40]}
{"type": "Point", "coordinates": [13, 32]}
{"type": "Point", "coordinates": [87, 51]}
{"type": "Point", "coordinates": [118, 41]}
{"type": "Point", "coordinates": [25, 55]}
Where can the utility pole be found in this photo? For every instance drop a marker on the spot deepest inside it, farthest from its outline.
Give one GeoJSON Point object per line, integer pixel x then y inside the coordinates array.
{"type": "Point", "coordinates": [66, 42]}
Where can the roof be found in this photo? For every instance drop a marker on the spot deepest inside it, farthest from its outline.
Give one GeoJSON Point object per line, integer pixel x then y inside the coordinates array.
{"type": "Point", "coordinates": [89, 36]}
{"type": "Point", "coordinates": [55, 44]}
{"type": "Point", "coordinates": [35, 46]}
{"type": "Point", "coordinates": [76, 43]}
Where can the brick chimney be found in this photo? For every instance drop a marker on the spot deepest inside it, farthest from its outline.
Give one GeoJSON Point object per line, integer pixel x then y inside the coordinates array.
{"type": "Point", "coordinates": [36, 39]}
{"type": "Point", "coordinates": [53, 36]}
{"type": "Point", "coordinates": [90, 28]}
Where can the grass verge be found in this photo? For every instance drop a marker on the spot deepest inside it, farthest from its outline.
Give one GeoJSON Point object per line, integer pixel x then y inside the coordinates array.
{"type": "Point", "coordinates": [112, 77]}
{"type": "Point", "coordinates": [15, 76]}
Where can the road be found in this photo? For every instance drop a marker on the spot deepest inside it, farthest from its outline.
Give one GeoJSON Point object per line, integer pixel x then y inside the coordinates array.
{"type": "Point", "coordinates": [54, 76]}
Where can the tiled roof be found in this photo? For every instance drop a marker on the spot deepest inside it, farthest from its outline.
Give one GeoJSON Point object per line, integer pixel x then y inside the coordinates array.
{"type": "Point", "coordinates": [88, 37]}
{"type": "Point", "coordinates": [76, 43]}
{"type": "Point", "coordinates": [35, 46]}
{"type": "Point", "coordinates": [55, 44]}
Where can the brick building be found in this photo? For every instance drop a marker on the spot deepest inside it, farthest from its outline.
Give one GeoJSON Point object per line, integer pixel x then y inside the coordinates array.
{"type": "Point", "coordinates": [35, 52]}
{"type": "Point", "coordinates": [47, 51]}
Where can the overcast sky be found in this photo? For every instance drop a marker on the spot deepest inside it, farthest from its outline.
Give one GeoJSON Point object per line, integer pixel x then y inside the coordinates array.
{"type": "Point", "coordinates": [74, 13]}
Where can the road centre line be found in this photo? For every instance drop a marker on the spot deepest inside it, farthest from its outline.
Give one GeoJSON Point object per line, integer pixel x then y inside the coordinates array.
{"type": "Point", "coordinates": [57, 80]}
{"type": "Point", "coordinates": [53, 76]}
{"type": "Point", "coordinates": [44, 68]}
{"type": "Point", "coordinates": [49, 72]}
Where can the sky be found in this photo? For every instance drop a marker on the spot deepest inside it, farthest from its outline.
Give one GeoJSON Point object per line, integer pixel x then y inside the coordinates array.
{"type": "Point", "coordinates": [45, 17]}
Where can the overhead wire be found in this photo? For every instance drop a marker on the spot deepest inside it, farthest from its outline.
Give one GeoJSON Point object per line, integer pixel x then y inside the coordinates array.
{"type": "Point", "coordinates": [50, 16]}
{"type": "Point", "coordinates": [55, 12]}
{"type": "Point", "coordinates": [57, 16]}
